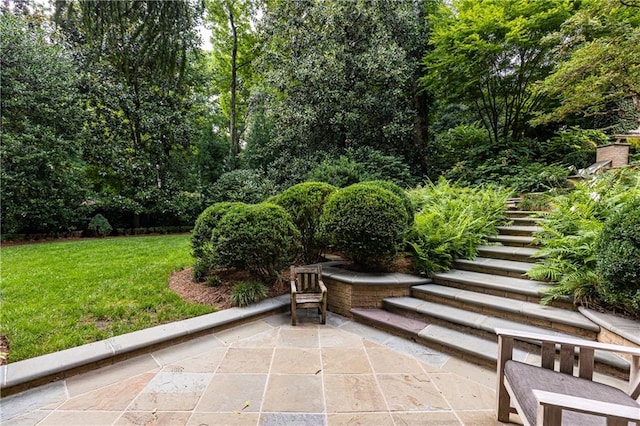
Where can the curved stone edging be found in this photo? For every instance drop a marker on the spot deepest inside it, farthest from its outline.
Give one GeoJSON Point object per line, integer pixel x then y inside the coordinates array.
{"type": "Point", "coordinates": [627, 330]}
{"type": "Point", "coordinates": [349, 289]}
{"type": "Point", "coordinates": [20, 375]}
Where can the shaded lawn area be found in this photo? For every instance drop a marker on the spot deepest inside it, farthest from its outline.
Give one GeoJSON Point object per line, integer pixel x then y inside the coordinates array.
{"type": "Point", "coordinates": [64, 294]}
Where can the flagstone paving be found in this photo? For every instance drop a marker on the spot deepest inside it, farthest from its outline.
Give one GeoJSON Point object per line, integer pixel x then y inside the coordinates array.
{"type": "Point", "coordinates": [270, 373]}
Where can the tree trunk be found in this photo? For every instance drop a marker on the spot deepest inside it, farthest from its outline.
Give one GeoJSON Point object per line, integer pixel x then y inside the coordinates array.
{"type": "Point", "coordinates": [234, 148]}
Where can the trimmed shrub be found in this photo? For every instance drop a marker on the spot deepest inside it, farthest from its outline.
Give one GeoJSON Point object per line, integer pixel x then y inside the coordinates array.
{"type": "Point", "coordinates": [244, 294]}
{"type": "Point", "coordinates": [390, 186]}
{"type": "Point", "coordinates": [205, 224]}
{"type": "Point", "coordinates": [304, 202]}
{"type": "Point", "coordinates": [259, 238]}
{"type": "Point", "coordinates": [100, 226]}
{"type": "Point", "coordinates": [366, 222]}
{"type": "Point", "coordinates": [340, 172]}
{"type": "Point", "coordinates": [618, 258]}
{"type": "Point", "coordinates": [246, 186]}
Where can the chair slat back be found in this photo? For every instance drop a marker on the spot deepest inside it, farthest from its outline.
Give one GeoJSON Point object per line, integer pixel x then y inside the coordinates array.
{"type": "Point", "coordinates": [307, 278]}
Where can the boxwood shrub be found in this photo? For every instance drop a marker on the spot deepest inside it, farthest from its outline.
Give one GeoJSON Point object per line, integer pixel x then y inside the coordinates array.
{"type": "Point", "coordinates": [390, 186]}
{"type": "Point", "coordinates": [366, 222]}
{"type": "Point", "coordinates": [304, 202]}
{"type": "Point", "coordinates": [205, 224]}
{"type": "Point", "coordinates": [260, 238]}
{"type": "Point", "coordinates": [618, 258]}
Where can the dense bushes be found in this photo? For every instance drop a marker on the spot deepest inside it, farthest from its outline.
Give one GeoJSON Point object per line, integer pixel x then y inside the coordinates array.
{"type": "Point", "coordinates": [246, 186]}
{"type": "Point", "coordinates": [618, 258]}
{"type": "Point", "coordinates": [390, 186]}
{"type": "Point", "coordinates": [366, 222]}
{"type": "Point", "coordinates": [452, 221]}
{"type": "Point", "coordinates": [260, 238]}
{"type": "Point", "coordinates": [205, 224]}
{"type": "Point", "coordinates": [569, 249]}
{"type": "Point", "coordinates": [304, 202]}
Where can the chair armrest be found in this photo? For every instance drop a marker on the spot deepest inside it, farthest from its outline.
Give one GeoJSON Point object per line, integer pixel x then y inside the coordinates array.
{"type": "Point", "coordinates": [322, 286]}
{"type": "Point", "coordinates": [523, 335]}
{"type": "Point", "coordinates": [294, 290]}
{"type": "Point", "coordinates": [584, 405]}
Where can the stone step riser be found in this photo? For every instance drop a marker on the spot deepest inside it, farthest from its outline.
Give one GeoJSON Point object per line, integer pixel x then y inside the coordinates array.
{"type": "Point", "coordinates": [525, 221]}
{"type": "Point", "coordinates": [488, 270]}
{"type": "Point", "coordinates": [496, 292]}
{"type": "Point", "coordinates": [488, 310]}
{"type": "Point", "coordinates": [512, 240]}
{"type": "Point", "coordinates": [519, 231]}
{"type": "Point", "coordinates": [488, 252]}
{"type": "Point", "coordinates": [521, 213]}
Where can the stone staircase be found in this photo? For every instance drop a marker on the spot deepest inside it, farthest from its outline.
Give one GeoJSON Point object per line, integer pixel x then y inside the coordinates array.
{"type": "Point", "coordinates": [460, 309]}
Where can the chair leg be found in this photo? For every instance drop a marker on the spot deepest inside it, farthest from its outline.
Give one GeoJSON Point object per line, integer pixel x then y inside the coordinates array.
{"type": "Point", "coordinates": [294, 319]}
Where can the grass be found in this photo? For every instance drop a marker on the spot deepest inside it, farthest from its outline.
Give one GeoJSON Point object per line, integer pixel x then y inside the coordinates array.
{"type": "Point", "coordinates": [64, 294]}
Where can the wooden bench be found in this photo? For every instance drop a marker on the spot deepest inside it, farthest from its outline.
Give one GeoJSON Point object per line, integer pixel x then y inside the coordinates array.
{"type": "Point", "coordinates": [308, 291]}
{"type": "Point", "coordinates": [543, 396]}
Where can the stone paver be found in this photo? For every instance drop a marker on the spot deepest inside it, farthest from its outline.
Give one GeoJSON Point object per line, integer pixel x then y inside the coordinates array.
{"type": "Point", "coordinates": [269, 373]}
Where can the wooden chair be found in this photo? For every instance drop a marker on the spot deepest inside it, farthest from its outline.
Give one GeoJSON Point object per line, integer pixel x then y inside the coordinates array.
{"type": "Point", "coordinates": [543, 396]}
{"type": "Point", "coordinates": [308, 291]}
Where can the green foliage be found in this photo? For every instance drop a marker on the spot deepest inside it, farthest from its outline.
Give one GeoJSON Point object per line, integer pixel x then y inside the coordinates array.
{"type": "Point", "coordinates": [452, 222]}
{"type": "Point", "coordinates": [100, 225]}
{"type": "Point", "coordinates": [362, 164]}
{"type": "Point", "coordinates": [64, 294]}
{"type": "Point", "coordinates": [366, 222]}
{"type": "Point", "coordinates": [41, 179]}
{"type": "Point", "coordinates": [259, 238]}
{"type": "Point", "coordinates": [245, 294]}
{"type": "Point", "coordinates": [535, 202]}
{"type": "Point", "coordinates": [390, 186]}
{"type": "Point", "coordinates": [618, 258]}
{"type": "Point", "coordinates": [573, 147]}
{"type": "Point", "coordinates": [536, 177]}
{"type": "Point", "coordinates": [488, 54]}
{"type": "Point", "coordinates": [201, 269]}
{"type": "Point", "coordinates": [571, 230]}
{"type": "Point", "coordinates": [246, 186]}
{"type": "Point", "coordinates": [203, 230]}
{"type": "Point", "coordinates": [340, 75]}
{"type": "Point", "coordinates": [599, 66]}
{"type": "Point", "coordinates": [304, 202]}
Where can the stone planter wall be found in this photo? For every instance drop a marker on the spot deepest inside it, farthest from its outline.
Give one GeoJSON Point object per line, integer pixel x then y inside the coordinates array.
{"type": "Point", "coordinates": [347, 289]}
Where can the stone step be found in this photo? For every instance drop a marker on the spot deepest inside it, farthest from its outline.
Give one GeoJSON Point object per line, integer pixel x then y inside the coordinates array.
{"type": "Point", "coordinates": [487, 265]}
{"type": "Point", "coordinates": [523, 213]}
{"type": "Point", "coordinates": [527, 231]}
{"type": "Point", "coordinates": [517, 288]}
{"type": "Point", "coordinates": [470, 346]}
{"type": "Point", "coordinates": [520, 254]}
{"type": "Point", "coordinates": [526, 221]}
{"type": "Point", "coordinates": [512, 240]}
{"type": "Point", "coordinates": [549, 317]}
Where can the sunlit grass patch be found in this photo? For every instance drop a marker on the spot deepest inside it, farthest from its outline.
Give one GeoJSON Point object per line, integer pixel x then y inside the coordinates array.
{"type": "Point", "coordinates": [63, 294]}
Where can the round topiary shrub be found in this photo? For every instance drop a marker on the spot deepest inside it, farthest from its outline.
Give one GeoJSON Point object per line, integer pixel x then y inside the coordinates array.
{"type": "Point", "coordinates": [304, 202]}
{"type": "Point", "coordinates": [100, 226]}
{"type": "Point", "coordinates": [618, 258]}
{"type": "Point", "coordinates": [366, 222]}
{"type": "Point", "coordinates": [205, 224]}
{"type": "Point", "coordinates": [260, 238]}
{"type": "Point", "coordinates": [390, 186]}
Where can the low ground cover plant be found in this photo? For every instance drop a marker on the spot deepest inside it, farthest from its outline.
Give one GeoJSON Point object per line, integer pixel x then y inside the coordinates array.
{"type": "Point", "coordinates": [452, 222]}
{"type": "Point", "coordinates": [65, 294]}
{"type": "Point", "coordinates": [247, 293]}
{"type": "Point", "coordinates": [569, 241]}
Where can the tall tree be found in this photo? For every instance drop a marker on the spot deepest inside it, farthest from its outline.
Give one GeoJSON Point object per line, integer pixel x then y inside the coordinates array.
{"type": "Point", "coordinates": [489, 53]}
{"type": "Point", "coordinates": [598, 62]}
{"type": "Point", "coordinates": [41, 175]}
{"type": "Point", "coordinates": [135, 60]}
{"type": "Point", "coordinates": [235, 48]}
{"type": "Point", "coordinates": [339, 75]}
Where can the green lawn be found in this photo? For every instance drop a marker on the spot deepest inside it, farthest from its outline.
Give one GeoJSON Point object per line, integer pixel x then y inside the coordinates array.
{"type": "Point", "coordinates": [64, 294]}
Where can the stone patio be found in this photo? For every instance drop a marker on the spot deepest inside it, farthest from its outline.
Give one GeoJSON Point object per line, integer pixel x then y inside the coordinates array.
{"type": "Point", "coordinates": [270, 373]}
